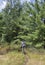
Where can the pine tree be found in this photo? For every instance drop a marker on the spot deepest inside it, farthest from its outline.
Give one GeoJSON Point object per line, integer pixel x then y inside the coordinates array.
{"type": "Point", "coordinates": [24, 21]}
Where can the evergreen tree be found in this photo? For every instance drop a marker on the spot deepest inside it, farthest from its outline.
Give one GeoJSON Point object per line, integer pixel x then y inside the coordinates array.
{"type": "Point", "coordinates": [23, 21]}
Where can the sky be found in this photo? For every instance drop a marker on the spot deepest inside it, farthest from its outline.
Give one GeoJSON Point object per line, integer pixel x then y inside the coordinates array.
{"type": "Point", "coordinates": [3, 3]}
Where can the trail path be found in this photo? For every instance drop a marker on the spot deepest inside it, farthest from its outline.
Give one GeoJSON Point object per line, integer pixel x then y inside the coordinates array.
{"type": "Point", "coordinates": [27, 60]}
{"type": "Point", "coordinates": [2, 57]}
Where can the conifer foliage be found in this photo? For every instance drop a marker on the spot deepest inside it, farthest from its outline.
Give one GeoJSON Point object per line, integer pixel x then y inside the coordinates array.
{"type": "Point", "coordinates": [23, 22]}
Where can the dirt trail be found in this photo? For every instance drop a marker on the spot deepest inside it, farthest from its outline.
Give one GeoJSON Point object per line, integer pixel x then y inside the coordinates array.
{"type": "Point", "coordinates": [27, 60]}
{"type": "Point", "coordinates": [2, 57]}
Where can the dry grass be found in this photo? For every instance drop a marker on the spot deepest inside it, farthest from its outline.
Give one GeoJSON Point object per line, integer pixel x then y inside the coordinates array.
{"type": "Point", "coordinates": [36, 58]}
{"type": "Point", "coordinates": [12, 58]}
{"type": "Point", "coordinates": [17, 58]}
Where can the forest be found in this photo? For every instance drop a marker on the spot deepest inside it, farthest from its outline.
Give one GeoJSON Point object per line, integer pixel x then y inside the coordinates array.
{"type": "Point", "coordinates": [22, 21]}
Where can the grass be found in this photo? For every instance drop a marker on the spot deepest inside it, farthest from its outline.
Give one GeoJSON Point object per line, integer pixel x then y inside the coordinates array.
{"type": "Point", "coordinates": [33, 57]}
{"type": "Point", "coordinates": [12, 58]}
{"type": "Point", "coordinates": [36, 58]}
